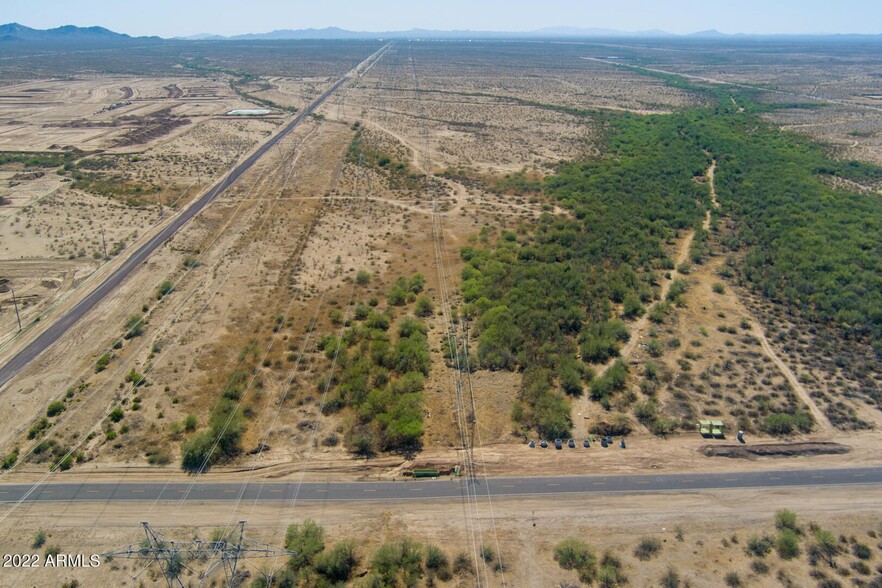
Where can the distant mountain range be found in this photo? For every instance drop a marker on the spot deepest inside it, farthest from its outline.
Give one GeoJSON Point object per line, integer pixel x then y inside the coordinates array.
{"type": "Point", "coordinates": [72, 34]}
{"type": "Point", "coordinates": [66, 34]}
{"type": "Point", "coordinates": [338, 33]}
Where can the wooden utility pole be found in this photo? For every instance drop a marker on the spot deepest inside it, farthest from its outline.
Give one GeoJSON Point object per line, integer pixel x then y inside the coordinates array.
{"type": "Point", "coordinates": [15, 303]}
{"type": "Point", "coordinates": [104, 242]}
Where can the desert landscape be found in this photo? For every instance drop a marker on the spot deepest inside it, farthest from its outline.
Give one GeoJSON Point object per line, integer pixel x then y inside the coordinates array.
{"type": "Point", "coordinates": [438, 256]}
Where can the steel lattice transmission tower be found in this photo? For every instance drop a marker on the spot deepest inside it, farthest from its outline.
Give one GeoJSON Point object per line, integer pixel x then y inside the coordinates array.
{"type": "Point", "coordinates": [173, 557]}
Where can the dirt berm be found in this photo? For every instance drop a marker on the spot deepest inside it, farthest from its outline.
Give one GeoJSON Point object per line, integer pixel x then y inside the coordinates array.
{"type": "Point", "coordinates": [774, 450]}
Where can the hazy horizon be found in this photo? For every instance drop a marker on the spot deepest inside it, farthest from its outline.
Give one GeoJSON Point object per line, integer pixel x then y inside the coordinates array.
{"type": "Point", "coordinates": [224, 17]}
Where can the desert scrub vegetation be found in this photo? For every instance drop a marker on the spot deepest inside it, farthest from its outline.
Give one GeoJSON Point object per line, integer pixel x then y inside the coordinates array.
{"type": "Point", "coordinates": [100, 176]}
{"type": "Point", "coordinates": [39, 159]}
{"type": "Point", "coordinates": [398, 173]}
{"type": "Point", "coordinates": [561, 286]}
{"type": "Point", "coordinates": [381, 362]}
{"type": "Point", "coordinates": [555, 288]}
{"type": "Point", "coordinates": [647, 548]}
{"type": "Point", "coordinates": [399, 562]}
{"type": "Point", "coordinates": [573, 554]}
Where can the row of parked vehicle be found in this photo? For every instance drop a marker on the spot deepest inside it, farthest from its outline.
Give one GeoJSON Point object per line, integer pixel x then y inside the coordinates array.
{"type": "Point", "coordinates": [558, 443]}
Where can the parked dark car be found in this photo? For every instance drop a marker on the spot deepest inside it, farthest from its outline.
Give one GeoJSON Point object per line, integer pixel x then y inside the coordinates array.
{"type": "Point", "coordinates": [558, 443]}
{"type": "Point", "coordinates": [571, 444]}
{"type": "Point", "coordinates": [532, 444]}
{"type": "Point", "coordinates": [603, 442]}
{"type": "Point", "coordinates": [543, 444]}
{"type": "Point", "coordinates": [586, 443]}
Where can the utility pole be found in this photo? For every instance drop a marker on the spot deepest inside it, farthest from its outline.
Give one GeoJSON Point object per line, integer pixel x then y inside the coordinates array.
{"type": "Point", "coordinates": [104, 242]}
{"type": "Point", "coordinates": [159, 199]}
{"type": "Point", "coordinates": [15, 303]}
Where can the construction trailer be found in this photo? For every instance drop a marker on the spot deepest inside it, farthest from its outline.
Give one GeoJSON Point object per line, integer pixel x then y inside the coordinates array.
{"type": "Point", "coordinates": [711, 429]}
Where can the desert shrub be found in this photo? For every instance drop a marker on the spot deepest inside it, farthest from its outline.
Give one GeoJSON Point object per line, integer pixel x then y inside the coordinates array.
{"type": "Point", "coordinates": [671, 579]}
{"type": "Point", "coordinates": [52, 550]}
{"type": "Point", "coordinates": [610, 573]}
{"type": "Point", "coordinates": [424, 306]}
{"type": "Point", "coordinates": [399, 562]}
{"type": "Point", "coordinates": [156, 457]}
{"type": "Point", "coordinates": [632, 306]}
{"type": "Point", "coordinates": [732, 580]}
{"type": "Point", "coordinates": [10, 459]}
{"type": "Point", "coordinates": [618, 425]}
{"type": "Point", "coordinates": [102, 363]}
{"type": "Point", "coordinates": [338, 563]}
{"type": "Point", "coordinates": [134, 327]}
{"type": "Point", "coordinates": [197, 452]}
{"type": "Point", "coordinates": [646, 411]}
{"type": "Point", "coordinates": [787, 544]}
{"type": "Point", "coordinates": [363, 278]}
{"type": "Point", "coordinates": [462, 564]}
{"type": "Point", "coordinates": [759, 546]}
{"type": "Point", "coordinates": [786, 519]}
{"type": "Point", "coordinates": [664, 426]}
{"type": "Point", "coordinates": [55, 408]}
{"type": "Point", "coordinates": [759, 567]}
{"type": "Point", "coordinates": [136, 379]}
{"type": "Point", "coordinates": [164, 289]}
{"type": "Point", "coordinates": [825, 546]}
{"type": "Point", "coordinates": [437, 562]}
{"type": "Point", "coordinates": [487, 553]}
{"type": "Point", "coordinates": [861, 568]}
{"type": "Point", "coordinates": [603, 387]}
{"type": "Point", "coordinates": [39, 539]}
{"type": "Point", "coordinates": [573, 554]}
{"type": "Point", "coordinates": [782, 424]}
{"type": "Point", "coordinates": [647, 548]}
{"type": "Point", "coordinates": [861, 551]}
{"type": "Point", "coordinates": [307, 540]}
{"type": "Point", "coordinates": [654, 348]}
{"type": "Point", "coordinates": [676, 291]}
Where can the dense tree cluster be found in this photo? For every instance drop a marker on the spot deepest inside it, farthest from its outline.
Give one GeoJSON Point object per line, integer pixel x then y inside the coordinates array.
{"type": "Point", "coordinates": [381, 374]}
{"type": "Point", "coordinates": [544, 298]}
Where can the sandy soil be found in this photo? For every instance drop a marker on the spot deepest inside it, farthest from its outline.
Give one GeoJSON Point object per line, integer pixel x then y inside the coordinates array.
{"type": "Point", "coordinates": [522, 531]}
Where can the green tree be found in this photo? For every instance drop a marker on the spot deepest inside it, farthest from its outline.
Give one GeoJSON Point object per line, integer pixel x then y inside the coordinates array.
{"type": "Point", "coordinates": [197, 452]}
{"type": "Point", "coordinates": [307, 540]}
{"type": "Point", "coordinates": [338, 563]}
{"type": "Point", "coordinates": [398, 562]}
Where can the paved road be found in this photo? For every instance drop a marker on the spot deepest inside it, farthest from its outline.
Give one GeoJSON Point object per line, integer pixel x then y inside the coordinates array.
{"type": "Point", "coordinates": [54, 332]}
{"type": "Point", "coordinates": [434, 489]}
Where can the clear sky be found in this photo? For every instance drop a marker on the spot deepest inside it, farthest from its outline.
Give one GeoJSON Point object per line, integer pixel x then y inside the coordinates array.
{"type": "Point", "coordinates": [168, 18]}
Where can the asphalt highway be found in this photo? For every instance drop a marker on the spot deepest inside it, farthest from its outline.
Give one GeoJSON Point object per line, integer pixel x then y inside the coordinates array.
{"type": "Point", "coordinates": [60, 326]}
{"type": "Point", "coordinates": [427, 489]}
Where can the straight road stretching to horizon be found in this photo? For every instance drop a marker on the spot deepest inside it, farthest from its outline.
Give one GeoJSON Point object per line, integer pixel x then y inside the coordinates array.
{"type": "Point", "coordinates": [432, 489]}
{"type": "Point", "coordinates": [45, 339]}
